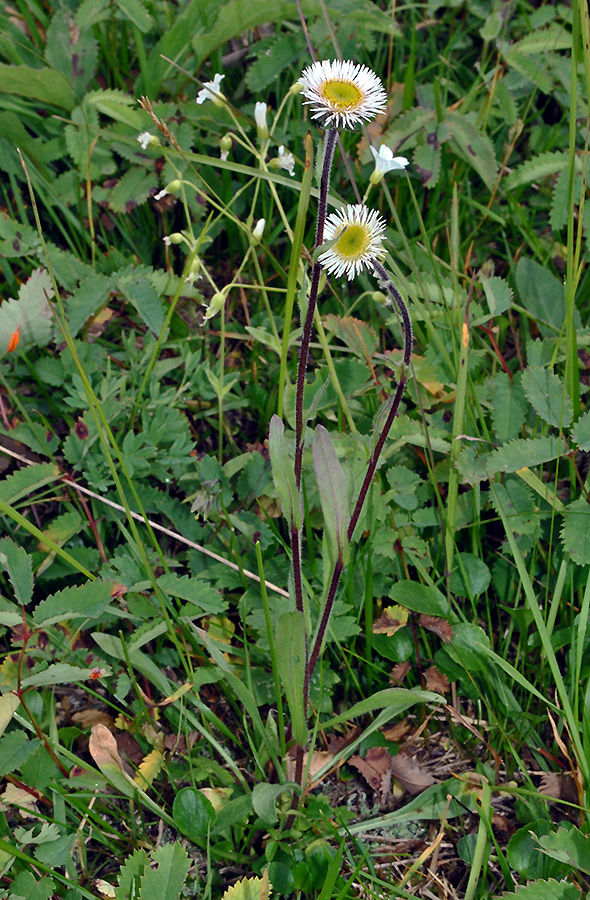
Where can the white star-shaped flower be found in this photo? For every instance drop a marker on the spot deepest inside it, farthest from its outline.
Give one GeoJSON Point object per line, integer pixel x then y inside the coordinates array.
{"type": "Point", "coordinates": [144, 139]}
{"type": "Point", "coordinates": [385, 161]}
{"type": "Point", "coordinates": [286, 160]}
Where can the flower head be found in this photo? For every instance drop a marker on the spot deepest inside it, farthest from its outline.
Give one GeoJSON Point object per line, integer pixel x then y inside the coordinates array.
{"type": "Point", "coordinates": [211, 91]}
{"type": "Point", "coordinates": [357, 232]}
{"type": "Point", "coordinates": [385, 161]}
{"type": "Point", "coordinates": [342, 93]}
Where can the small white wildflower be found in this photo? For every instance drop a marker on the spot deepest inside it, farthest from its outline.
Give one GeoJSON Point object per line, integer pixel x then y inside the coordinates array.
{"type": "Point", "coordinates": [260, 119]}
{"type": "Point", "coordinates": [216, 305]}
{"type": "Point", "coordinates": [174, 238]}
{"type": "Point", "coordinates": [211, 91]}
{"type": "Point", "coordinates": [385, 161]}
{"type": "Point", "coordinates": [161, 194]}
{"type": "Point", "coordinates": [342, 94]}
{"type": "Point", "coordinates": [258, 231]}
{"type": "Point", "coordinates": [145, 139]}
{"type": "Point", "coordinates": [357, 232]}
{"type": "Point", "coordinates": [286, 160]}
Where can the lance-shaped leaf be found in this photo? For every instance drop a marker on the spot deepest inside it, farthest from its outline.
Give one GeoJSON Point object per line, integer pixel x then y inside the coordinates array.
{"type": "Point", "coordinates": [290, 646]}
{"type": "Point", "coordinates": [333, 488]}
{"type": "Point", "coordinates": [283, 474]}
{"type": "Point", "coordinates": [18, 565]}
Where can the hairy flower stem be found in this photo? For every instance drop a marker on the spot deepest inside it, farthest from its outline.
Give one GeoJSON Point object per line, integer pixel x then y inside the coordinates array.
{"type": "Point", "coordinates": [329, 147]}
{"type": "Point", "coordinates": [387, 284]}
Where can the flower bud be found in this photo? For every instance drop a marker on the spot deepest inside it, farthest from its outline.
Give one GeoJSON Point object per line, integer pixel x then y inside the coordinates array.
{"type": "Point", "coordinates": [174, 186]}
{"type": "Point", "coordinates": [260, 119]}
{"type": "Point", "coordinates": [258, 232]}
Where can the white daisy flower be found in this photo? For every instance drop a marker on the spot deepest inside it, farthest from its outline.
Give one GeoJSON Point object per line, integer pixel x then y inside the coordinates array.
{"type": "Point", "coordinates": [286, 160]}
{"type": "Point", "coordinates": [385, 161]}
{"type": "Point", "coordinates": [357, 232]}
{"type": "Point", "coordinates": [211, 91]}
{"type": "Point", "coordinates": [342, 94]}
{"type": "Point", "coordinates": [260, 119]}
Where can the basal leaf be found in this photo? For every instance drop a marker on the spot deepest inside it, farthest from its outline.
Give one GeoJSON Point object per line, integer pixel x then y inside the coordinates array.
{"type": "Point", "coordinates": [420, 598]}
{"type": "Point", "coordinates": [58, 673]}
{"type": "Point", "coordinates": [264, 801]}
{"type": "Point", "coordinates": [517, 503]}
{"type": "Point", "coordinates": [130, 873]}
{"type": "Point", "coordinates": [15, 748]}
{"type": "Point", "coordinates": [427, 159]}
{"type": "Point", "coordinates": [138, 290]}
{"type": "Point", "coordinates": [476, 148]}
{"type": "Point", "coordinates": [135, 11]}
{"type": "Point", "coordinates": [131, 190]}
{"type": "Point", "coordinates": [555, 37]}
{"type": "Point", "coordinates": [470, 576]}
{"type": "Point", "coordinates": [575, 532]}
{"type": "Point", "coordinates": [44, 84]}
{"type": "Point", "coordinates": [117, 105]}
{"type": "Point", "coordinates": [195, 590]}
{"type": "Point", "coordinates": [530, 452]}
{"type": "Point", "coordinates": [546, 393]}
{"type": "Point", "coordinates": [18, 564]}
{"type": "Point", "coordinates": [536, 168]}
{"type": "Point", "coordinates": [533, 67]}
{"type": "Point", "coordinates": [165, 877]}
{"type": "Point", "coordinates": [193, 813]}
{"type": "Point", "coordinates": [509, 409]}
{"type": "Point", "coordinates": [28, 321]}
{"type": "Point", "coordinates": [334, 494]}
{"type": "Point", "coordinates": [71, 50]}
{"type": "Point", "coordinates": [498, 294]}
{"type": "Point", "coordinates": [581, 431]}
{"type": "Point", "coordinates": [290, 646]}
{"type": "Point", "coordinates": [283, 474]}
{"type": "Point", "coordinates": [26, 885]}
{"type": "Point", "coordinates": [568, 845]}
{"type": "Point", "coordinates": [539, 889]}
{"type": "Point", "coordinates": [79, 601]}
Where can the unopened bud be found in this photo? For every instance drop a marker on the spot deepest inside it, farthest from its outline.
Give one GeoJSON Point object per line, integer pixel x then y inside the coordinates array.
{"type": "Point", "coordinates": [296, 88]}
{"type": "Point", "coordinates": [174, 186]}
{"type": "Point", "coordinates": [258, 231]}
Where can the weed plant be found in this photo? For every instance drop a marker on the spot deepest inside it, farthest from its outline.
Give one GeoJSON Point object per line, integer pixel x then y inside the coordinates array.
{"type": "Point", "coordinates": [295, 537]}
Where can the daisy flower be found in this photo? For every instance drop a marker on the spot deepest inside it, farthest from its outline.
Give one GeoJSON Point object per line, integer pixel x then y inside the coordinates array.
{"type": "Point", "coordinates": [211, 91]}
{"type": "Point", "coordinates": [342, 94]}
{"type": "Point", "coordinates": [385, 161]}
{"type": "Point", "coordinates": [357, 233]}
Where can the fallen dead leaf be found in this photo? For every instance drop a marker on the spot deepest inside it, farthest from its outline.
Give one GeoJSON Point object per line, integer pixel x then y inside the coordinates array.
{"type": "Point", "coordinates": [375, 768]}
{"type": "Point", "coordinates": [86, 718]}
{"type": "Point", "coordinates": [503, 825]}
{"type": "Point", "coordinates": [559, 787]}
{"type": "Point", "coordinates": [319, 758]}
{"type": "Point", "coordinates": [412, 775]}
{"type": "Point", "coordinates": [436, 680]}
{"type": "Point", "coordinates": [399, 672]}
{"type": "Point", "coordinates": [397, 731]}
{"type": "Point", "coordinates": [391, 620]}
{"type": "Point", "coordinates": [15, 796]}
{"type": "Point", "coordinates": [438, 626]}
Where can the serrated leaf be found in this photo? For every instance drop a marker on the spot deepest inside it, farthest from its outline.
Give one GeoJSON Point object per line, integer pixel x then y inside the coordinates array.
{"type": "Point", "coordinates": [532, 67]}
{"type": "Point", "coordinates": [517, 503]}
{"type": "Point", "coordinates": [283, 474]}
{"type": "Point", "coordinates": [555, 37]}
{"type": "Point", "coordinates": [130, 874]}
{"type": "Point", "coordinates": [117, 105]}
{"type": "Point", "coordinates": [536, 168]}
{"type": "Point", "coordinates": [131, 190]}
{"type": "Point", "coordinates": [78, 602]}
{"type": "Point", "coordinates": [568, 845]}
{"type": "Point", "coordinates": [404, 129]}
{"type": "Point", "coordinates": [28, 321]}
{"type": "Point", "coordinates": [334, 494]}
{"type": "Point", "coordinates": [248, 889]}
{"type": "Point", "coordinates": [476, 148]}
{"type": "Point", "coordinates": [498, 294]}
{"type": "Point", "coordinates": [575, 532]}
{"type": "Point", "coordinates": [509, 409]}
{"type": "Point", "coordinates": [195, 590]}
{"type": "Point", "coordinates": [26, 885]}
{"type": "Point", "coordinates": [49, 832]}
{"type": "Point", "coordinates": [358, 336]}
{"type": "Point", "coordinates": [71, 50]}
{"type": "Point", "coordinates": [165, 877]}
{"type": "Point", "coordinates": [526, 453]}
{"type": "Point", "coordinates": [15, 748]}
{"type": "Point", "coordinates": [581, 431]}
{"type": "Point", "coordinates": [545, 890]}
{"type": "Point", "coordinates": [273, 55]}
{"type": "Point", "coordinates": [290, 646]}
{"type": "Point", "coordinates": [135, 11]}
{"type": "Point", "coordinates": [427, 159]}
{"type": "Point", "coordinates": [546, 393]}
{"type": "Point", "coordinates": [138, 290]}
{"type": "Point", "coordinates": [18, 564]}
{"type": "Point", "coordinates": [148, 769]}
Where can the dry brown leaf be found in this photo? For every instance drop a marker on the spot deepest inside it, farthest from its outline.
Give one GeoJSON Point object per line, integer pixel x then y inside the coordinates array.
{"type": "Point", "coordinates": [397, 731]}
{"type": "Point", "coordinates": [86, 718]}
{"type": "Point", "coordinates": [503, 825]}
{"type": "Point", "coordinates": [560, 787]}
{"type": "Point", "coordinates": [127, 744]}
{"type": "Point", "coordinates": [391, 620]}
{"type": "Point", "coordinates": [375, 768]}
{"type": "Point", "coordinates": [103, 748]}
{"type": "Point", "coordinates": [438, 626]}
{"type": "Point", "coordinates": [436, 680]}
{"type": "Point", "coordinates": [319, 758]}
{"type": "Point", "coordinates": [411, 774]}
{"type": "Point", "coordinates": [15, 796]}
{"type": "Point", "coordinates": [399, 672]}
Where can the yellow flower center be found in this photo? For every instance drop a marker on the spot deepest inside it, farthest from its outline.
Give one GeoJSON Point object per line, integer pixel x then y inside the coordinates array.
{"type": "Point", "coordinates": [353, 241]}
{"type": "Point", "coordinates": [341, 94]}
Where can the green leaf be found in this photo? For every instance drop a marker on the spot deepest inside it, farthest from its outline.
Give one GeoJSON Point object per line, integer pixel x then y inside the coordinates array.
{"type": "Point", "coordinates": [135, 11]}
{"type": "Point", "coordinates": [290, 647]}
{"type": "Point", "coordinates": [530, 452]}
{"type": "Point", "coordinates": [477, 149]}
{"type": "Point", "coordinates": [131, 190]}
{"type": "Point", "coordinates": [555, 37]}
{"type": "Point", "coordinates": [18, 564]}
{"type": "Point", "coordinates": [273, 55]}
{"type": "Point", "coordinates": [193, 814]}
{"type": "Point", "coordinates": [264, 801]}
{"type": "Point", "coordinates": [517, 503]}
{"type": "Point", "coordinates": [427, 159]}
{"type": "Point", "coordinates": [57, 673]}
{"type": "Point", "coordinates": [46, 85]}
{"type": "Point", "coordinates": [71, 50]}
{"type": "Point", "coordinates": [420, 598]}
{"type": "Point", "coordinates": [195, 590]}
{"type": "Point", "coordinates": [510, 407]}
{"type": "Point", "coordinates": [575, 532]}
{"type": "Point", "coordinates": [545, 890]}
{"type": "Point", "coordinates": [56, 853]}
{"type": "Point", "coordinates": [29, 317]}
{"type": "Point", "coordinates": [334, 494]}
{"type": "Point", "coordinates": [568, 845]}
{"type": "Point", "coordinates": [282, 473]}
{"type": "Point", "coordinates": [165, 877]}
{"type": "Point", "coordinates": [536, 168]}
{"type": "Point", "coordinates": [463, 647]}
{"type": "Point", "coordinates": [532, 67]}
{"type": "Point", "coordinates": [546, 393]}
{"type": "Point", "coordinates": [470, 576]}
{"type": "Point", "coordinates": [498, 294]}
{"type": "Point", "coordinates": [117, 105]}
{"type": "Point", "coordinates": [394, 700]}
{"type": "Point", "coordinates": [82, 601]}
{"type": "Point", "coordinates": [581, 431]}
{"type": "Point", "coordinates": [26, 885]}
{"type": "Point", "coordinates": [87, 300]}
{"type": "Point", "coordinates": [137, 289]}
{"type": "Point", "coordinates": [130, 874]}
{"type": "Point", "coordinates": [542, 295]}
{"type": "Point", "coordinates": [15, 749]}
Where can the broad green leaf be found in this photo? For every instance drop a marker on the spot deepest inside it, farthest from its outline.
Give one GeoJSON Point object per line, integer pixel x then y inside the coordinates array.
{"type": "Point", "coordinates": [464, 646]}
{"type": "Point", "coordinates": [358, 336]}
{"type": "Point", "coordinates": [334, 494]}
{"type": "Point", "coordinates": [45, 85]}
{"type": "Point", "coordinates": [531, 452]}
{"type": "Point", "coordinates": [545, 890]}
{"type": "Point", "coordinates": [283, 474]}
{"type": "Point", "coordinates": [470, 576]}
{"type": "Point", "coordinates": [542, 295]}
{"type": "Point", "coordinates": [420, 598]}
{"type": "Point", "coordinates": [575, 532]}
{"type": "Point", "coordinates": [193, 814]}
{"type": "Point", "coordinates": [555, 37]}
{"type": "Point", "coordinates": [476, 148]}
{"type": "Point", "coordinates": [87, 300]}
{"type": "Point", "coordinates": [165, 877]}
{"type": "Point", "coordinates": [264, 801]}
{"type": "Point", "coordinates": [137, 289]}
{"type": "Point", "coordinates": [28, 321]}
{"type": "Point", "coordinates": [248, 889]}
{"type": "Point", "coordinates": [57, 673]}
{"type": "Point", "coordinates": [130, 874]}
{"type": "Point", "coordinates": [546, 393]}
{"type": "Point", "coordinates": [394, 700]}
{"type": "Point", "coordinates": [131, 190]}
{"type": "Point", "coordinates": [291, 659]}
{"type": "Point", "coordinates": [26, 885]}
{"type": "Point", "coordinates": [510, 407]}
{"type": "Point", "coordinates": [118, 106]}
{"type": "Point", "coordinates": [581, 431]}
{"type": "Point", "coordinates": [135, 11]}
{"type": "Point", "coordinates": [517, 503]}
{"type": "Point", "coordinates": [532, 67]}
{"type": "Point", "coordinates": [78, 602]}
{"type": "Point", "coordinates": [498, 294]}
{"type": "Point", "coordinates": [15, 749]}
{"type": "Point", "coordinates": [427, 158]}
{"type": "Point", "coordinates": [18, 564]}
{"type": "Point", "coordinates": [568, 845]}
{"type": "Point", "coordinates": [71, 50]}
{"type": "Point", "coordinates": [431, 804]}
{"type": "Point", "coordinates": [205, 598]}
{"type": "Point", "coordinates": [56, 853]}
